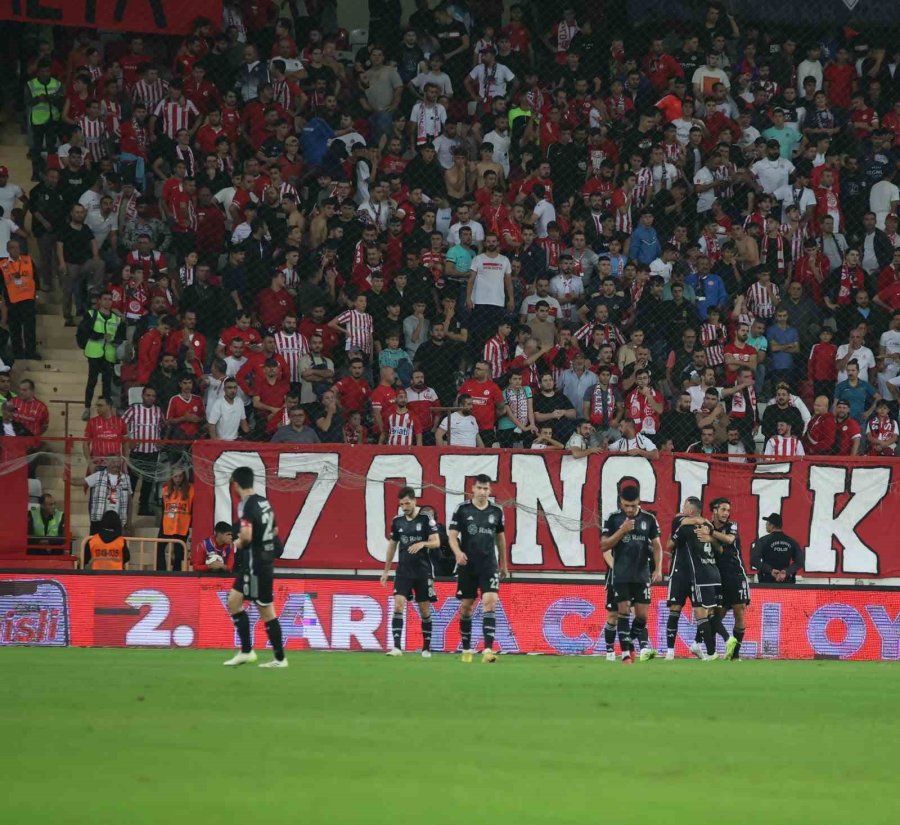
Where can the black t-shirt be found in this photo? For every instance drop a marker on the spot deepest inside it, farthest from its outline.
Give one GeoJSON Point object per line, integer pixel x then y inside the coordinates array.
{"type": "Point", "coordinates": [701, 555]}
{"type": "Point", "coordinates": [50, 204]}
{"type": "Point", "coordinates": [450, 36]}
{"type": "Point", "coordinates": [76, 243]}
{"type": "Point", "coordinates": [478, 530]}
{"type": "Point", "coordinates": [405, 532]}
{"type": "Point", "coordinates": [256, 512]}
{"type": "Point", "coordinates": [634, 552]}
{"type": "Point", "coordinates": [729, 560]}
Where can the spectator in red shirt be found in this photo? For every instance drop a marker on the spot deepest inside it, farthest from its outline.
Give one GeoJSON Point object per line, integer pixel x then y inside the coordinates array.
{"type": "Point", "coordinates": [275, 303]}
{"type": "Point", "coordinates": [487, 400]}
{"type": "Point", "coordinates": [382, 398]}
{"type": "Point", "coordinates": [739, 354]}
{"type": "Point", "coordinates": [31, 413]}
{"type": "Point", "coordinates": [105, 433]}
{"type": "Point", "coordinates": [822, 367]}
{"type": "Point", "coordinates": [269, 392]}
{"type": "Point", "coordinates": [216, 552]}
{"type": "Point", "coordinates": [317, 324]}
{"type": "Point", "coordinates": [251, 374]}
{"type": "Point", "coordinates": [242, 330]}
{"type": "Point", "coordinates": [353, 390]}
{"type": "Point", "coordinates": [840, 79]}
{"type": "Point", "coordinates": [849, 434]}
{"type": "Point", "coordinates": [821, 430]}
{"type": "Point", "coordinates": [185, 415]}
{"type": "Point", "coordinates": [150, 349]}
{"type": "Point", "coordinates": [180, 341]}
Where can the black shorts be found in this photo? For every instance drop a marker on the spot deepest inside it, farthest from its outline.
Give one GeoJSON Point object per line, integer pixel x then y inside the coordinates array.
{"type": "Point", "coordinates": [632, 592]}
{"type": "Point", "coordinates": [469, 581]}
{"type": "Point", "coordinates": [680, 588]}
{"type": "Point", "coordinates": [707, 595]}
{"type": "Point", "coordinates": [256, 583]}
{"type": "Point", "coordinates": [735, 590]}
{"type": "Point", "coordinates": [421, 588]}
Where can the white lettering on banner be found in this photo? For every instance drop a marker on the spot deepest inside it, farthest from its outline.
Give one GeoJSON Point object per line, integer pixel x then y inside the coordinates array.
{"type": "Point", "coordinates": [405, 467]}
{"type": "Point", "coordinates": [534, 490]}
{"type": "Point", "coordinates": [457, 468]}
{"type": "Point", "coordinates": [355, 617]}
{"type": "Point", "coordinates": [770, 492]}
{"type": "Point", "coordinates": [868, 486]}
{"type": "Point", "coordinates": [617, 467]}
{"type": "Point", "coordinates": [224, 466]}
{"type": "Point", "coordinates": [299, 620]}
{"type": "Point", "coordinates": [325, 467]}
{"type": "Point", "coordinates": [691, 477]}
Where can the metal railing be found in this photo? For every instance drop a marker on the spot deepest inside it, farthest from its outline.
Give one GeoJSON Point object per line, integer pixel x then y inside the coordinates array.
{"type": "Point", "coordinates": [141, 541]}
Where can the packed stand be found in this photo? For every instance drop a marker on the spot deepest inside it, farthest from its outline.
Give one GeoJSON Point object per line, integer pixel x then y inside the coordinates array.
{"type": "Point", "coordinates": [493, 229]}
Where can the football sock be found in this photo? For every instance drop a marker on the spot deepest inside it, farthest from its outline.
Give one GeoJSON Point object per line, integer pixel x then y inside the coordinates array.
{"type": "Point", "coordinates": [739, 635]}
{"type": "Point", "coordinates": [639, 634]}
{"type": "Point", "coordinates": [719, 628]}
{"type": "Point", "coordinates": [273, 629]}
{"type": "Point", "coordinates": [672, 629]}
{"type": "Point", "coordinates": [708, 634]}
{"type": "Point", "coordinates": [623, 626]}
{"type": "Point", "coordinates": [698, 636]}
{"type": "Point", "coordinates": [465, 630]}
{"type": "Point", "coordinates": [609, 636]}
{"type": "Point", "coordinates": [426, 633]}
{"type": "Point", "coordinates": [397, 628]}
{"type": "Point", "coordinates": [489, 628]}
{"type": "Point", "coordinates": [242, 626]}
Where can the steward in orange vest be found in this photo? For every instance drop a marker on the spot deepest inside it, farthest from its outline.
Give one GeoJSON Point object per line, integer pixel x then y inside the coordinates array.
{"type": "Point", "coordinates": [107, 549]}
{"type": "Point", "coordinates": [19, 290]}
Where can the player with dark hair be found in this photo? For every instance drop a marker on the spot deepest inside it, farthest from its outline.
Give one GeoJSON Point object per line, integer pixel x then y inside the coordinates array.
{"type": "Point", "coordinates": [257, 547]}
{"type": "Point", "coordinates": [735, 584]}
{"type": "Point", "coordinates": [416, 533]}
{"type": "Point", "coordinates": [707, 590]}
{"type": "Point", "coordinates": [476, 534]}
{"type": "Point", "coordinates": [680, 578]}
{"type": "Point", "coordinates": [633, 536]}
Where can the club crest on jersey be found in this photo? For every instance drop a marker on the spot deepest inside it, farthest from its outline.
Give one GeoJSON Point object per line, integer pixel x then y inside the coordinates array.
{"type": "Point", "coordinates": [418, 528]}
{"type": "Point", "coordinates": [490, 519]}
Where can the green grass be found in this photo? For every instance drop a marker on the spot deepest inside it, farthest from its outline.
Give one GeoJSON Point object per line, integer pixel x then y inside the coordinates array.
{"type": "Point", "coordinates": [113, 736]}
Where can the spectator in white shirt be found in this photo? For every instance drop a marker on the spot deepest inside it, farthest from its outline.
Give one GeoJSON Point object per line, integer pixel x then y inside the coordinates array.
{"type": "Point", "coordinates": [662, 266]}
{"type": "Point", "coordinates": [227, 416]}
{"type": "Point", "coordinates": [632, 442]}
{"type": "Point", "coordinates": [463, 218]}
{"type": "Point", "coordinates": [544, 212]}
{"type": "Point", "coordinates": [773, 171]}
{"type": "Point", "coordinates": [459, 429]}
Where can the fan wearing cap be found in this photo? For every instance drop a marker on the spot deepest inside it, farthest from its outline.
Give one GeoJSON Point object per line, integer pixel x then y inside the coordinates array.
{"type": "Point", "coordinates": [776, 556]}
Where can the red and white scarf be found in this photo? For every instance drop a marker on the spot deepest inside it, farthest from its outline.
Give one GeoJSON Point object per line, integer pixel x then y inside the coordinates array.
{"type": "Point", "coordinates": [780, 265]}
{"type": "Point", "coordinates": [849, 283]}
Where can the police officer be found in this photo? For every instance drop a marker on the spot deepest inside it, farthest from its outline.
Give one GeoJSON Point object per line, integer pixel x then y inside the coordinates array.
{"type": "Point", "coordinates": [102, 333]}
{"type": "Point", "coordinates": [44, 97]}
{"type": "Point", "coordinates": [776, 556]}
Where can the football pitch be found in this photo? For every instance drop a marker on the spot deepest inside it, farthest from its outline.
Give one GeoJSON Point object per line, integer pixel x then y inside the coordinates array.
{"type": "Point", "coordinates": [139, 736]}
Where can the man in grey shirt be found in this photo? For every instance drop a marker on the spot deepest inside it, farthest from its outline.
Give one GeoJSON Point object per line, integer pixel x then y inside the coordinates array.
{"type": "Point", "coordinates": [297, 432]}
{"type": "Point", "coordinates": [382, 87]}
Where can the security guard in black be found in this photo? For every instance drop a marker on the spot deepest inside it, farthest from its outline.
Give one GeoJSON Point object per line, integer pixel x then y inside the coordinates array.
{"type": "Point", "coordinates": [777, 551]}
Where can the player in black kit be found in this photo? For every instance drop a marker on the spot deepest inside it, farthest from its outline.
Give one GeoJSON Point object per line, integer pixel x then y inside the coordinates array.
{"type": "Point", "coordinates": [681, 581]}
{"type": "Point", "coordinates": [735, 584]}
{"type": "Point", "coordinates": [633, 536]}
{"type": "Point", "coordinates": [706, 595]}
{"type": "Point", "coordinates": [257, 548]}
{"type": "Point", "coordinates": [477, 538]}
{"type": "Point", "coordinates": [416, 534]}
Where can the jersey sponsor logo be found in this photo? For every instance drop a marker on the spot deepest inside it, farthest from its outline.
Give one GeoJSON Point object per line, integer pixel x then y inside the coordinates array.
{"type": "Point", "coordinates": [472, 529]}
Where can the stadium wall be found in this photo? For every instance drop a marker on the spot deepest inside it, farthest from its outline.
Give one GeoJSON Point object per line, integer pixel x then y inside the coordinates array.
{"type": "Point", "coordinates": [334, 503]}
{"type": "Point", "coordinates": [334, 613]}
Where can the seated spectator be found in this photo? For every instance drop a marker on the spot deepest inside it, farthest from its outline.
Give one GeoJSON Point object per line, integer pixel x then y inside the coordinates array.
{"type": "Point", "coordinates": [545, 439]}
{"type": "Point", "coordinates": [882, 431]}
{"type": "Point", "coordinates": [107, 549]}
{"type": "Point", "coordinates": [46, 527]}
{"type": "Point", "coordinates": [215, 553]}
{"type": "Point", "coordinates": [632, 442]}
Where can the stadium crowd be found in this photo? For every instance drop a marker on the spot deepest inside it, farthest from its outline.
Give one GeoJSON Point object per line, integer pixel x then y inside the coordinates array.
{"type": "Point", "coordinates": [499, 228]}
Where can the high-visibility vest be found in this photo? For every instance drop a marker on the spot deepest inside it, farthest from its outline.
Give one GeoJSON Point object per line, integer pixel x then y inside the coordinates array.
{"type": "Point", "coordinates": [53, 525]}
{"type": "Point", "coordinates": [177, 508]}
{"type": "Point", "coordinates": [107, 555]}
{"type": "Point", "coordinates": [42, 111]}
{"type": "Point", "coordinates": [18, 276]}
{"type": "Point", "coordinates": [107, 326]}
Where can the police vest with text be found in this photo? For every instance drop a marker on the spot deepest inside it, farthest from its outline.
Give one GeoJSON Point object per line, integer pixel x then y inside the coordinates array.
{"type": "Point", "coordinates": [107, 555]}
{"type": "Point", "coordinates": [18, 278]}
{"type": "Point", "coordinates": [43, 111]}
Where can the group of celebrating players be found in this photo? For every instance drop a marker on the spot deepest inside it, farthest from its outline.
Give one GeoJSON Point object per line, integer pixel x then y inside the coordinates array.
{"type": "Point", "coordinates": [705, 567]}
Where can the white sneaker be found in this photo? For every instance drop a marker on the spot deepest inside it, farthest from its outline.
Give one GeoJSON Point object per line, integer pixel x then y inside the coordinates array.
{"type": "Point", "coordinates": [647, 654]}
{"type": "Point", "coordinates": [697, 650]}
{"type": "Point", "coordinates": [670, 654]}
{"type": "Point", "coordinates": [710, 657]}
{"type": "Point", "coordinates": [610, 656]}
{"type": "Point", "coordinates": [426, 654]}
{"type": "Point", "coordinates": [241, 659]}
{"type": "Point", "coordinates": [275, 663]}
{"type": "Point", "coordinates": [394, 651]}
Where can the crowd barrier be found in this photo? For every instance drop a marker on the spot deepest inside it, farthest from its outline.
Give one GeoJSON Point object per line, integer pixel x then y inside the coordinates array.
{"type": "Point", "coordinates": [82, 609]}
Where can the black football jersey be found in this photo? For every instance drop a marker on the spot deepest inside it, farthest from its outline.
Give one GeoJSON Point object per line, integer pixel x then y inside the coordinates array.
{"type": "Point", "coordinates": [407, 531]}
{"type": "Point", "coordinates": [702, 556]}
{"type": "Point", "coordinates": [729, 560]}
{"type": "Point", "coordinates": [680, 563]}
{"type": "Point", "coordinates": [478, 531]}
{"type": "Point", "coordinates": [256, 512]}
{"type": "Point", "coordinates": [633, 555]}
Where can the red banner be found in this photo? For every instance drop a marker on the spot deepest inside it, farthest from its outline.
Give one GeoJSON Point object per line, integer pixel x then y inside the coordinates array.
{"type": "Point", "coordinates": [334, 503]}
{"type": "Point", "coordinates": [13, 496]}
{"type": "Point", "coordinates": [114, 610]}
{"type": "Point", "coordinates": [155, 16]}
